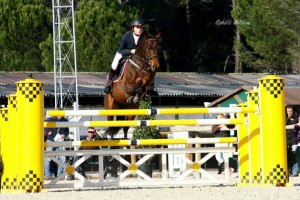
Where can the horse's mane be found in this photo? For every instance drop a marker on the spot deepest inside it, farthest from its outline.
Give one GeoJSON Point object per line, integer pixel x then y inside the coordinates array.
{"type": "Point", "coordinates": [141, 42]}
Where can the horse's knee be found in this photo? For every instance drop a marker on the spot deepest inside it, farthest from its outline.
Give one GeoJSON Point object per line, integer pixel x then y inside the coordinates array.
{"type": "Point", "coordinates": [139, 90]}
{"type": "Point", "coordinates": [150, 87]}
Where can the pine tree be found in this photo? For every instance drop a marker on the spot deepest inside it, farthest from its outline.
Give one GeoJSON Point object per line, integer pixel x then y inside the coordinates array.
{"type": "Point", "coordinates": [268, 33]}
{"type": "Point", "coordinates": [24, 25]}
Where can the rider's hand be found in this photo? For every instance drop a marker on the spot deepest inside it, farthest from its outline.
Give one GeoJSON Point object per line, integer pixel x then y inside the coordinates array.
{"type": "Point", "coordinates": [132, 51]}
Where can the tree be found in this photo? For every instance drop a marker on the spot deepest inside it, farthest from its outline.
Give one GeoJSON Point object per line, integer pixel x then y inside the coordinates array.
{"type": "Point", "coordinates": [269, 33]}
{"type": "Point", "coordinates": [290, 24]}
{"type": "Point", "coordinates": [24, 25]}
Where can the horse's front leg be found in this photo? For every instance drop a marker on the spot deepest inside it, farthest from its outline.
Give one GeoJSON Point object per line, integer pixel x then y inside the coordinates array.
{"type": "Point", "coordinates": [125, 129]}
{"type": "Point", "coordinates": [110, 118]}
{"type": "Point", "coordinates": [135, 99]}
{"type": "Point", "coordinates": [139, 92]}
{"type": "Point", "coordinates": [150, 89]}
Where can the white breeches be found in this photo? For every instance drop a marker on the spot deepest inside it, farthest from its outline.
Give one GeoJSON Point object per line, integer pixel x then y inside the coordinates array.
{"type": "Point", "coordinates": [116, 60]}
{"type": "Point", "coordinates": [220, 156]}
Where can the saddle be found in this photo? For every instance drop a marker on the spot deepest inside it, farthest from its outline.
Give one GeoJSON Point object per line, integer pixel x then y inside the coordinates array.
{"type": "Point", "coordinates": [120, 72]}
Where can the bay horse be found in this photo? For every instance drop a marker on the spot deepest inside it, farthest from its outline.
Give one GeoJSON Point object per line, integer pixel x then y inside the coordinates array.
{"type": "Point", "coordinates": [135, 82]}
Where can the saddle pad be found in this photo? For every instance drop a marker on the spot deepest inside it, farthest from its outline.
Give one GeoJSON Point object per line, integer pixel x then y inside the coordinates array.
{"type": "Point", "coordinates": [121, 73]}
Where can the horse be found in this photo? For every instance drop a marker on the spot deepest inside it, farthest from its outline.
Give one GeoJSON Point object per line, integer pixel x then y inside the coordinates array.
{"type": "Point", "coordinates": [135, 82]}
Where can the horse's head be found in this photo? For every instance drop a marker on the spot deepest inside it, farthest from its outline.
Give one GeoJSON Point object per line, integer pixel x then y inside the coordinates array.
{"type": "Point", "coordinates": [152, 50]}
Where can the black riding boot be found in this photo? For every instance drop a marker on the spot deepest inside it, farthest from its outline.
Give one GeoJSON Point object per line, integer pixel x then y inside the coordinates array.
{"type": "Point", "coordinates": [108, 87]}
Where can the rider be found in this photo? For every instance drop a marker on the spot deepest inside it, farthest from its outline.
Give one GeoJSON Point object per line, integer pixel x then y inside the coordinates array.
{"type": "Point", "coordinates": [127, 47]}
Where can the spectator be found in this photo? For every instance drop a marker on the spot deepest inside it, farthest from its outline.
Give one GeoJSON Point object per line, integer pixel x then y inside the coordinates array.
{"type": "Point", "coordinates": [54, 135]}
{"type": "Point", "coordinates": [91, 136]}
{"type": "Point", "coordinates": [216, 129]}
{"type": "Point", "coordinates": [292, 117]}
{"type": "Point", "coordinates": [296, 133]}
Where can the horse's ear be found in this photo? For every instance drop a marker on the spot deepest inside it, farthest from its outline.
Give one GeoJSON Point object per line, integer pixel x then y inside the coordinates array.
{"type": "Point", "coordinates": [158, 36]}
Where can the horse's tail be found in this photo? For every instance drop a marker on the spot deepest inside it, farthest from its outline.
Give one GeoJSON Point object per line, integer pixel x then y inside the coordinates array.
{"type": "Point", "coordinates": [114, 130]}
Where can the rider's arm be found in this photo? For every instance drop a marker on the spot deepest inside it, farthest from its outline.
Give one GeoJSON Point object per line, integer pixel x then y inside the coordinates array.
{"type": "Point", "coordinates": [126, 44]}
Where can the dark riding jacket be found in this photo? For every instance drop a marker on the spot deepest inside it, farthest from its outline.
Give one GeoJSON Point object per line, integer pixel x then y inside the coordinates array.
{"type": "Point", "coordinates": [127, 43]}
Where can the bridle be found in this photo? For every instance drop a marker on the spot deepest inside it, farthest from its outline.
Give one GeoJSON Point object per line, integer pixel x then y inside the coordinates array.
{"type": "Point", "coordinates": [146, 60]}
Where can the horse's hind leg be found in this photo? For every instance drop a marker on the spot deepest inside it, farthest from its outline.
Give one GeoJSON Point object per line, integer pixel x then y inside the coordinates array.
{"type": "Point", "coordinates": [109, 104]}
{"type": "Point", "coordinates": [129, 117]}
{"type": "Point", "coordinates": [129, 158]}
{"type": "Point", "coordinates": [125, 131]}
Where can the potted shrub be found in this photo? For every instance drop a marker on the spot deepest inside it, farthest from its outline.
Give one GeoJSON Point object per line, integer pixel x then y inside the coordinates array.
{"type": "Point", "coordinates": [146, 132]}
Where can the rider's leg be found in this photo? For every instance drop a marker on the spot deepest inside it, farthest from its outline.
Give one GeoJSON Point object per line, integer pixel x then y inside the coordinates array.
{"type": "Point", "coordinates": [112, 73]}
{"type": "Point", "coordinates": [107, 89]}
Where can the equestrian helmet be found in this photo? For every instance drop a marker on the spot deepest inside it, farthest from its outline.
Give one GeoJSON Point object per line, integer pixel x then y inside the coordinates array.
{"type": "Point", "coordinates": [137, 22]}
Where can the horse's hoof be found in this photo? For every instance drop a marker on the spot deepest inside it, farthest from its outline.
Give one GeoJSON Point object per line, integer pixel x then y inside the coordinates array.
{"type": "Point", "coordinates": [135, 100]}
{"type": "Point", "coordinates": [130, 99]}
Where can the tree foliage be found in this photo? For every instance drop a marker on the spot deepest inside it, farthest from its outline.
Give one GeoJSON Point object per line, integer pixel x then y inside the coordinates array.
{"type": "Point", "coordinates": [271, 35]}
{"type": "Point", "coordinates": [24, 25]}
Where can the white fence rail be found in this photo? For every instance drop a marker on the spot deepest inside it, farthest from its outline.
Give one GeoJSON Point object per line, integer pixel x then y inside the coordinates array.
{"type": "Point", "coordinates": [193, 174]}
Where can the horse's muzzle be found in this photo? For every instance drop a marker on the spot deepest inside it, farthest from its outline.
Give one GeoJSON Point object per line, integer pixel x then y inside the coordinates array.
{"type": "Point", "coordinates": [154, 63]}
